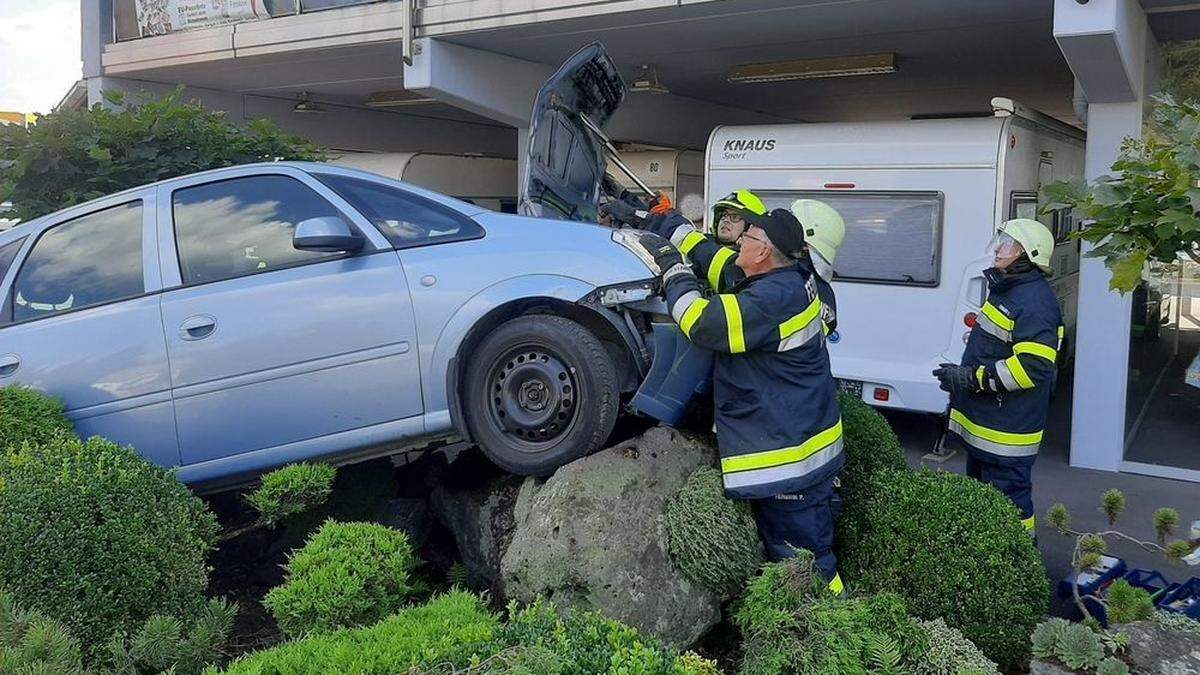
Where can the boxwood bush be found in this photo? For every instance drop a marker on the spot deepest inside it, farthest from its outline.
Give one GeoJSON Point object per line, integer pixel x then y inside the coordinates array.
{"type": "Point", "coordinates": [347, 574]}
{"type": "Point", "coordinates": [870, 443]}
{"type": "Point", "coordinates": [953, 548]}
{"type": "Point", "coordinates": [793, 625]}
{"type": "Point", "coordinates": [448, 631]}
{"type": "Point", "coordinates": [28, 416]}
{"type": "Point", "coordinates": [99, 539]}
{"type": "Point", "coordinates": [712, 539]}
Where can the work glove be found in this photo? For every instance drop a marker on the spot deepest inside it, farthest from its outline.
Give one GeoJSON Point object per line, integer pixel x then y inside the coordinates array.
{"type": "Point", "coordinates": [624, 213]}
{"type": "Point", "coordinates": [667, 258]}
{"type": "Point", "coordinates": [956, 379]}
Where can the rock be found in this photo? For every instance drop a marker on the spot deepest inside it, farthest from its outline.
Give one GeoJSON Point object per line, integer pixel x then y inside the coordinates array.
{"type": "Point", "coordinates": [1154, 650]}
{"type": "Point", "coordinates": [410, 516]}
{"type": "Point", "coordinates": [592, 536]}
{"type": "Point", "coordinates": [477, 508]}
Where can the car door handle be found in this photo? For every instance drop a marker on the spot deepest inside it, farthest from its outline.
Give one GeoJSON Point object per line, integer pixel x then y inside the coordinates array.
{"type": "Point", "coordinates": [9, 364]}
{"type": "Point", "coordinates": [197, 327]}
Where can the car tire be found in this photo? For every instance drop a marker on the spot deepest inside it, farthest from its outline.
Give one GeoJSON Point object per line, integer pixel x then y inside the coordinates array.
{"type": "Point", "coordinates": [538, 392]}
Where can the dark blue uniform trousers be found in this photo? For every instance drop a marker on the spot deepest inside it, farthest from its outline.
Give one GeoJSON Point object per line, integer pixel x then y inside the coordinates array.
{"type": "Point", "coordinates": [799, 520]}
{"type": "Point", "coordinates": [1015, 480]}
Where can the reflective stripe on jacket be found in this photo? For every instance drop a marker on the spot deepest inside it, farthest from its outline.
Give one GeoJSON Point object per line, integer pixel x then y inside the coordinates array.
{"type": "Point", "coordinates": [1012, 350]}
{"type": "Point", "coordinates": [714, 263]}
{"type": "Point", "coordinates": [778, 425]}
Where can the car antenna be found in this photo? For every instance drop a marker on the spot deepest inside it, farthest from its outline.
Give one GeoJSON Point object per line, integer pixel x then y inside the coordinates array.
{"type": "Point", "coordinates": [615, 156]}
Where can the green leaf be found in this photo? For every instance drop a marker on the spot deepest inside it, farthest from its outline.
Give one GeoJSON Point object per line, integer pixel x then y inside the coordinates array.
{"type": "Point", "coordinates": [1107, 194]}
{"type": "Point", "coordinates": [1127, 271]}
{"type": "Point", "coordinates": [99, 154]}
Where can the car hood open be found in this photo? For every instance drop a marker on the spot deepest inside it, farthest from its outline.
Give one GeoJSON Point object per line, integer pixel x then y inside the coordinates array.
{"type": "Point", "coordinates": [565, 162]}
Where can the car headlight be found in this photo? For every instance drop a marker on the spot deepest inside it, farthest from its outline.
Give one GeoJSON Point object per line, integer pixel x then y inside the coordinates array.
{"type": "Point", "coordinates": [629, 239]}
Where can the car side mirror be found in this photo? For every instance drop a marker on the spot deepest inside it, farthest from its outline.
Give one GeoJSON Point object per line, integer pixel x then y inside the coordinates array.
{"type": "Point", "coordinates": [327, 235]}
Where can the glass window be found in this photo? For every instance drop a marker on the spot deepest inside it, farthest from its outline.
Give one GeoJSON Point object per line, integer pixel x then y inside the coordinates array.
{"type": "Point", "coordinates": [88, 261]}
{"type": "Point", "coordinates": [892, 237]}
{"type": "Point", "coordinates": [405, 219]}
{"type": "Point", "coordinates": [7, 253]}
{"type": "Point", "coordinates": [242, 226]}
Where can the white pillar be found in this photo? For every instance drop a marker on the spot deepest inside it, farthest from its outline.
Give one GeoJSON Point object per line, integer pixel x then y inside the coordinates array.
{"type": "Point", "coordinates": [1109, 47]}
{"type": "Point", "coordinates": [1102, 331]}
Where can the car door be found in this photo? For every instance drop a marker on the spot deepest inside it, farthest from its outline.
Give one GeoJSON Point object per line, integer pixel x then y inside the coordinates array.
{"type": "Point", "coordinates": [277, 353]}
{"type": "Point", "coordinates": [80, 321]}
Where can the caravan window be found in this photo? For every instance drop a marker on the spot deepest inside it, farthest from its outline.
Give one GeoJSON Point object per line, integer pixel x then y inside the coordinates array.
{"type": "Point", "coordinates": [891, 237]}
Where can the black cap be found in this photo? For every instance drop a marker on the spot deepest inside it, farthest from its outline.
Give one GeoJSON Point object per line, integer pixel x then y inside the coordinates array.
{"type": "Point", "coordinates": [782, 228]}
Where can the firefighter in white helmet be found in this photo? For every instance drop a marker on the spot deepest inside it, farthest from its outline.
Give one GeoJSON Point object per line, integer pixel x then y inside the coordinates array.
{"type": "Point", "coordinates": [824, 231]}
{"type": "Point", "coordinates": [1000, 394]}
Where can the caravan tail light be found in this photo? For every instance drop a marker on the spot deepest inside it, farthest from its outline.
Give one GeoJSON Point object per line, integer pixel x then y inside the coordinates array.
{"type": "Point", "coordinates": [882, 394]}
{"type": "Point", "coordinates": [970, 318]}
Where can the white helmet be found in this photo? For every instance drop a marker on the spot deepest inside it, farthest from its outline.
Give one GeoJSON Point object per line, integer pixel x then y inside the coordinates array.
{"type": "Point", "coordinates": [824, 231]}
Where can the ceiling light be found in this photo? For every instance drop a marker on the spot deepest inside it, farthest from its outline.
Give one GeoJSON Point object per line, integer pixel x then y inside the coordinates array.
{"type": "Point", "coordinates": [646, 81]}
{"type": "Point", "coordinates": [307, 107]}
{"type": "Point", "coordinates": [396, 98]}
{"type": "Point", "coordinates": [807, 69]}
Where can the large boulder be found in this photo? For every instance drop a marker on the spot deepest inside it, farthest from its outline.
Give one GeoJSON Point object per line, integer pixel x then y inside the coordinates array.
{"type": "Point", "coordinates": [1161, 651]}
{"type": "Point", "coordinates": [479, 515]}
{"type": "Point", "coordinates": [593, 536]}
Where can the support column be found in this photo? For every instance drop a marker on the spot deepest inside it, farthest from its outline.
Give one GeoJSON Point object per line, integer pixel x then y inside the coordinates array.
{"type": "Point", "coordinates": [1108, 45]}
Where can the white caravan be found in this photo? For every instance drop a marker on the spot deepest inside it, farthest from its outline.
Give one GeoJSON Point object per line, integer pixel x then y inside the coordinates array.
{"type": "Point", "coordinates": [490, 182]}
{"type": "Point", "coordinates": [921, 200]}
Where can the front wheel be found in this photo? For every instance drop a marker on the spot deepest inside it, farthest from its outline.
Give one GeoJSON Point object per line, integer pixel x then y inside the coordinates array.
{"type": "Point", "coordinates": [539, 392]}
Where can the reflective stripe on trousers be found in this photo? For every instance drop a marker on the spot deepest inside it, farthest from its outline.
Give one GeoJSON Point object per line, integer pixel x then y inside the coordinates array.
{"type": "Point", "coordinates": [774, 466]}
{"type": "Point", "coordinates": [1003, 443]}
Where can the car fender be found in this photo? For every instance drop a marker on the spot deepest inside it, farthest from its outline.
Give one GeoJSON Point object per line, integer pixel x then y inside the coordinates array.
{"type": "Point", "coordinates": [440, 370]}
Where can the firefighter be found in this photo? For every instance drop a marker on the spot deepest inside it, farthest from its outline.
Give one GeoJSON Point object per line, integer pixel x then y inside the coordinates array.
{"type": "Point", "coordinates": [779, 430]}
{"type": "Point", "coordinates": [824, 231]}
{"type": "Point", "coordinates": [1000, 394]}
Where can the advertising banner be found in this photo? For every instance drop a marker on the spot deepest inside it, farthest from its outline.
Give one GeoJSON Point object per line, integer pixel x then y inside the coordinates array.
{"type": "Point", "coordinates": [159, 17]}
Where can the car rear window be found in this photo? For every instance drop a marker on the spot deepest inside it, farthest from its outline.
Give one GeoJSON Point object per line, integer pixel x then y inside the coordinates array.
{"type": "Point", "coordinates": [891, 237]}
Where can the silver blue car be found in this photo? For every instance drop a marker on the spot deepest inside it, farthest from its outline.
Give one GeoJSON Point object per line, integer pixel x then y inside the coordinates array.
{"type": "Point", "coordinates": [232, 321]}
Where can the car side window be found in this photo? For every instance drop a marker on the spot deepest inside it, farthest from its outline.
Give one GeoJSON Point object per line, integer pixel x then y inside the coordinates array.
{"type": "Point", "coordinates": [91, 260]}
{"type": "Point", "coordinates": [240, 226]}
{"type": "Point", "coordinates": [404, 218]}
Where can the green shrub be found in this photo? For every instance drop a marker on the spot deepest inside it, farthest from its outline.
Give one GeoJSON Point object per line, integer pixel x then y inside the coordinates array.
{"type": "Point", "coordinates": [712, 539]}
{"type": "Point", "coordinates": [28, 416]}
{"type": "Point", "coordinates": [586, 643]}
{"type": "Point", "coordinates": [72, 156]}
{"type": "Point", "coordinates": [869, 441]}
{"type": "Point", "coordinates": [449, 630]}
{"type": "Point", "coordinates": [953, 548]}
{"type": "Point", "coordinates": [347, 574]}
{"type": "Point", "coordinates": [951, 653]}
{"type": "Point", "coordinates": [291, 490]}
{"type": "Point", "coordinates": [96, 537]}
{"type": "Point", "coordinates": [167, 644]}
{"type": "Point", "coordinates": [1127, 603]}
{"type": "Point", "coordinates": [33, 643]}
{"type": "Point", "coordinates": [792, 624]}
{"type": "Point", "coordinates": [1112, 666]}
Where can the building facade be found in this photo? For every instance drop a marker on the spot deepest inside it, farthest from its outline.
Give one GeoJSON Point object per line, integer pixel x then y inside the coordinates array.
{"type": "Point", "coordinates": [459, 76]}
